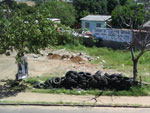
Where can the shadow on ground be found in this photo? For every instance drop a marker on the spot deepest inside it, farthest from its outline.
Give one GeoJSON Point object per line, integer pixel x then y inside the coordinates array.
{"type": "Point", "coordinates": [10, 88]}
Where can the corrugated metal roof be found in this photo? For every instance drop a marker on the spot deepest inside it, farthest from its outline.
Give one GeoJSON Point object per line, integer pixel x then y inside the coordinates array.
{"type": "Point", "coordinates": [96, 17]}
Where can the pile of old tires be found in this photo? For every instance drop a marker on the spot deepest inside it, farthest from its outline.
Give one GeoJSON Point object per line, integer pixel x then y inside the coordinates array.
{"type": "Point", "coordinates": [84, 80]}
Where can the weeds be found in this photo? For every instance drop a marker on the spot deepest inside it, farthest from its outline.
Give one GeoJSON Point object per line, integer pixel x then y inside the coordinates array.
{"type": "Point", "coordinates": [119, 60]}
{"type": "Point", "coordinates": [134, 91]}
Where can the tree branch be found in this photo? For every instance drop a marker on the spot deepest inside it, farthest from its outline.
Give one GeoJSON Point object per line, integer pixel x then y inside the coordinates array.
{"type": "Point", "coordinates": [132, 54]}
{"type": "Point", "coordinates": [140, 54]}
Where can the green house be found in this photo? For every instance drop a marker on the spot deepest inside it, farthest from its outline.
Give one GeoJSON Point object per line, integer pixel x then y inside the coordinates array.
{"type": "Point", "coordinates": [94, 21]}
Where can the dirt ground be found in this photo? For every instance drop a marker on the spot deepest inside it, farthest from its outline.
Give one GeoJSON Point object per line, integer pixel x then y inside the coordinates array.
{"type": "Point", "coordinates": [41, 66]}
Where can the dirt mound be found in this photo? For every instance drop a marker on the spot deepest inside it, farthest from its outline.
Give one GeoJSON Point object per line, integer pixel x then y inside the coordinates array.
{"type": "Point", "coordinates": [67, 57]}
{"type": "Point", "coordinates": [54, 56]}
{"type": "Point", "coordinates": [76, 59]}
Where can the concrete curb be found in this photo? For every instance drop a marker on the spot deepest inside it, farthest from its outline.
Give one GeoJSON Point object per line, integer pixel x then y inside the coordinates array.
{"type": "Point", "coordinates": [76, 105]}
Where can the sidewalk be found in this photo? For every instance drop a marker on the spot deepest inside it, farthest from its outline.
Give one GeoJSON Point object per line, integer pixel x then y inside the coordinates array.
{"type": "Point", "coordinates": [29, 97]}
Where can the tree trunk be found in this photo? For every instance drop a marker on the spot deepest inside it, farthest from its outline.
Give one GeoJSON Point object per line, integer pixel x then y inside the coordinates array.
{"type": "Point", "coordinates": [135, 71]}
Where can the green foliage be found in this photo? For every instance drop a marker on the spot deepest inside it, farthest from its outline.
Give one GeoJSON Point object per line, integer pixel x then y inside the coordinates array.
{"type": "Point", "coordinates": [123, 2]}
{"type": "Point", "coordinates": [64, 38]}
{"type": "Point", "coordinates": [85, 7]}
{"type": "Point", "coordinates": [123, 15]}
{"type": "Point", "coordinates": [134, 91]}
{"type": "Point", "coordinates": [65, 12]}
{"type": "Point", "coordinates": [111, 5]}
{"type": "Point", "coordinates": [25, 30]}
{"type": "Point", "coordinates": [38, 1]}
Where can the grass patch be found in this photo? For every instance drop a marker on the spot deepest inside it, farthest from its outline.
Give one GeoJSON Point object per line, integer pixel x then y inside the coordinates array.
{"type": "Point", "coordinates": [65, 91]}
{"type": "Point", "coordinates": [134, 91]}
{"type": "Point", "coordinates": [43, 103]}
{"type": "Point", "coordinates": [62, 103]}
{"type": "Point", "coordinates": [33, 80]}
{"type": "Point", "coordinates": [119, 60]}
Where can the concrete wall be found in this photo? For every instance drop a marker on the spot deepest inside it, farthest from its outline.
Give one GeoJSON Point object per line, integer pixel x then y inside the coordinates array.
{"type": "Point", "coordinates": [111, 44]}
{"type": "Point", "coordinates": [103, 43]}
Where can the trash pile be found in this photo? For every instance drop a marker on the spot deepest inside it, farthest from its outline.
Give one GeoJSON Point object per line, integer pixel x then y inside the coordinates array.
{"type": "Point", "coordinates": [85, 80]}
{"type": "Point", "coordinates": [75, 59]}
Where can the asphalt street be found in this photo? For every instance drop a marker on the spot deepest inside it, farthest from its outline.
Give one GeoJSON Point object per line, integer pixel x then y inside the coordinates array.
{"type": "Point", "coordinates": [33, 109]}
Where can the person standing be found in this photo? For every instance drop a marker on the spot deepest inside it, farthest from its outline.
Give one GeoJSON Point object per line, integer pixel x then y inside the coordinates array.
{"type": "Point", "coordinates": [24, 63]}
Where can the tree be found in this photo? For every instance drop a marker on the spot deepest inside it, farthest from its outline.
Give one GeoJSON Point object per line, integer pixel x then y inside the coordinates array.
{"type": "Point", "coordinates": [91, 6]}
{"type": "Point", "coordinates": [111, 5]}
{"type": "Point", "coordinates": [8, 2]}
{"type": "Point", "coordinates": [65, 12]}
{"type": "Point", "coordinates": [26, 32]}
{"type": "Point", "coordinates": [123, 2]}
{"type": "Point", "coordinates": [133, 17]}
{"type": "Point", "coordinates": [127, 13]}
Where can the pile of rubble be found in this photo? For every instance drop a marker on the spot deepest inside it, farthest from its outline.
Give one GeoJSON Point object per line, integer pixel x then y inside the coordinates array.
{"type": "Point", "coordinates": [84, 80]}
{"type": "Point", "coordinates": [65, 55]}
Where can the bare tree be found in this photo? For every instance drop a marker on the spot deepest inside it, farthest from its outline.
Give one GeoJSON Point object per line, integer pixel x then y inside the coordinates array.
{"type": "Point", "coordinates": [140, 37]}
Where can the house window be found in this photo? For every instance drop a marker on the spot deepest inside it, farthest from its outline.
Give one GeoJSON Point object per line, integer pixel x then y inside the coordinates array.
{"type": "Point", "coordinates": [98, 25]}
{"type": "Point", "coordinates": [87, 24]}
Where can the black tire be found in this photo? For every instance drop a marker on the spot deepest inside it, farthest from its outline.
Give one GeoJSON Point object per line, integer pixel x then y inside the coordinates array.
{"type": "Point", "coordinates": [98, 73]}
{"type": "Point", "coordinates": [107, 77]}
{"type": "Point", "coordinates": [88, 75]}
{"type": "Point", "coordinates": [97, 77]}
{"type": "Point", "coordinates": [69, 73]}
{"type": "Point", "coordinates": [39, 85]}
{"type": "Point", "coordinates": [48, 82]}
{"type": "Point", "coordinates": [103, 82]}
{"type": "Point", "coordinates": [56, 81]}
{"type": "Point", "coordinates": [74, 76]}
{"type": "Point", "coordinates": [83, 81]}
{"type": "Point", "coordinates": [126, 78]}
{"type": "Point", "coordinates": [93, 83]}
{"type": "Point", "coordinates": [81, 76]}
{"type": "Point", "coordinates": [81, 73]}
{"type": "Point", "coordinates": [114, 79]}
{"type": "Point", "coordinates": [70, 83]}
{"type": "Point", "coordinates": [63, 79]}
{"type": "Point", "coordinates": [119, 76]}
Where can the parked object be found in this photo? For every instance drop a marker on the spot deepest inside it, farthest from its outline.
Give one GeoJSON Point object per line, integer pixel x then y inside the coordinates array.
{"type": "Point", "coordinates": [85, 80]}
{"type": "Point", "coordinates": [88, 35]}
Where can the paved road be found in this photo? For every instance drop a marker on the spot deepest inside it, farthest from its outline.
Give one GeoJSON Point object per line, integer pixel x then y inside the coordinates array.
{"type": "Point", "coordinates": [32, 109]}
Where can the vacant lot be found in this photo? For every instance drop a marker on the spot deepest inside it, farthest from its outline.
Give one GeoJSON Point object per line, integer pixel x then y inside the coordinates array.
{"type": "Point", "coordinates": [107, 60]}
{"type": "Point", "coordinates": [42, 66]}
